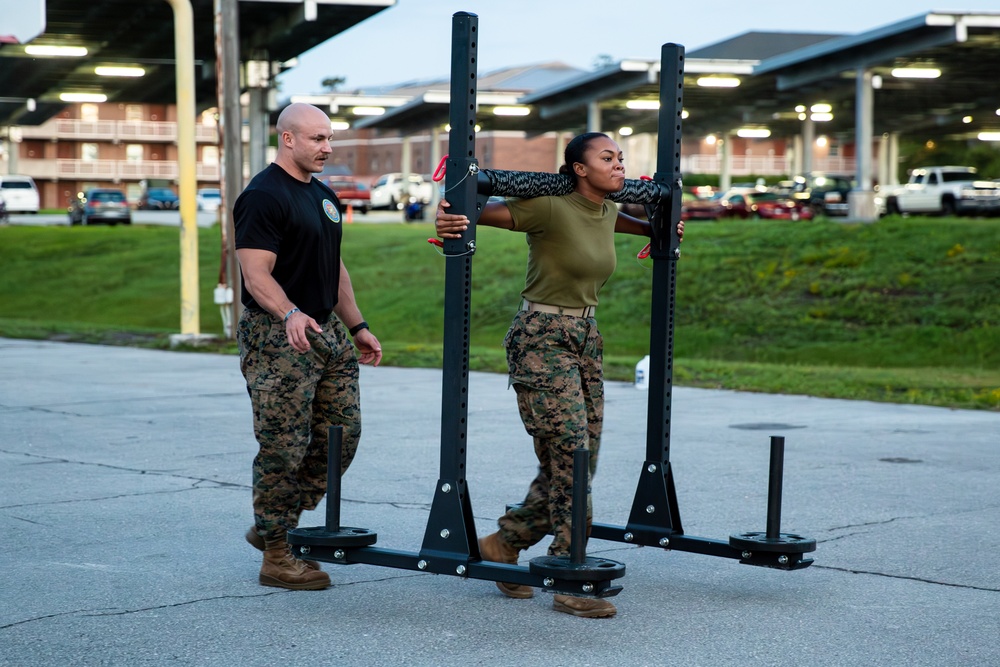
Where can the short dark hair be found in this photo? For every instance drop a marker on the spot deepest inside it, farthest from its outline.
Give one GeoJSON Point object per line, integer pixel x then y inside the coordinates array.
{"type": "Point", "coordinates": [575, 150]}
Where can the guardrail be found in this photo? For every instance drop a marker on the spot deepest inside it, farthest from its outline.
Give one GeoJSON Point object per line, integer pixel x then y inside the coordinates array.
{"type": "Point", "coordinates": [111, 170]}
{"type": "Point", "coordinates": [762, 165]}
{"type": "Point", "coordinates": [128, 131]}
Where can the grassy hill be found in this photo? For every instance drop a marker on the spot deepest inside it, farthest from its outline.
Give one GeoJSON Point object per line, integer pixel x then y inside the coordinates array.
{"type": "Point", "coordinates": [902, 310]}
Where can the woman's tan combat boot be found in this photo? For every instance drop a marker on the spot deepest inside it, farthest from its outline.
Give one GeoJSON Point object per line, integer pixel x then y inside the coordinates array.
{"type": "Point", "coordinates": [283, 570]}
{"type": "Point", "coordinates": [493, 548]}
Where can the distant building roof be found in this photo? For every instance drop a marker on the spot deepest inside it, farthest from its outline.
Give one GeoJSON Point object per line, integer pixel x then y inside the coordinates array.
{"type": "Point", "coordinates": [759, 45]}
{"type": "Point", "coordinates": [522, 79]}
{"type": "Point", "coordinates": [528, 78]}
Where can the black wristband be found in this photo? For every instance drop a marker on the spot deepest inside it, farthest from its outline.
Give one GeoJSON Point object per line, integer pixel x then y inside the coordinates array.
{"type": "Point", "coordinates": [358, 327]}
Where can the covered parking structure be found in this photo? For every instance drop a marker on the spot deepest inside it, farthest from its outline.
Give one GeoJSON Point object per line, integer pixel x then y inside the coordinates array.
{"type": "Point", "coordinates": [931, 74]}
{"type": "Point", "coordinates": [141, 34]}
{"type": "Point", "coordinates": [128, 34]}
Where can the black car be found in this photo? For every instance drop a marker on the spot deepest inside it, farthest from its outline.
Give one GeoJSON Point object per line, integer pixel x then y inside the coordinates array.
{"type": "Point", "coordinates": [159, 199]}
{"type": "Point", "coordinates": [826, 193]}
{"type": "Point", "coordinates": [100, 205]}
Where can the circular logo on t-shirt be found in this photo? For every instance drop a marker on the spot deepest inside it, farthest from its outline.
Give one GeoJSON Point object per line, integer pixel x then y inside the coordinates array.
{"type": "Point", "coordinates": [331, 210]}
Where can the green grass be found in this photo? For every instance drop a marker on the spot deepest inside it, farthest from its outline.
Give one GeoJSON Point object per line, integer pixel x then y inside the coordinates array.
{"type": "Point", "coordinates": [904, 310]}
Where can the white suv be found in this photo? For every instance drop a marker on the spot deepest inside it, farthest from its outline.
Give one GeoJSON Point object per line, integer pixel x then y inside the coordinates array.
{"type": "Point", "coordinates": [19, 193]}
{"type": "Point", "coordinates": [389, 191]}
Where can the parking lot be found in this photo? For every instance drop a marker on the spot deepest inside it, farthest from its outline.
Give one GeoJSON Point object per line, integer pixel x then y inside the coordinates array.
{"type": "Point", "coordinates": [205, 218]}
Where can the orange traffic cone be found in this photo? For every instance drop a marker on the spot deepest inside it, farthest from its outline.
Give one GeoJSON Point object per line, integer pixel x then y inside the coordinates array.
{"type": "Point", "coordinates": [350, 213]}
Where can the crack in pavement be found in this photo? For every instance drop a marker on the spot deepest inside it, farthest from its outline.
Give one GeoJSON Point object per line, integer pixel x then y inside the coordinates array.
{"type": "Point", "coordinates": [908, 578]}
{"type": "Point", "coordinates": [197, 482]}
{"type": "Point", "coordinates": [97, 613]}
{"type": "Point", "coordinates": [50, 407]}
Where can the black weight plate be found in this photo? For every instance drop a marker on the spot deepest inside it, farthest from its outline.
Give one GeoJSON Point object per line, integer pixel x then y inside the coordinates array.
{"type": "Point", "coordinates": [562, 567]}
{"type": "Point", "coordinates": [785, 542]}
{"type": "Point", "coordinates": [321, 537]}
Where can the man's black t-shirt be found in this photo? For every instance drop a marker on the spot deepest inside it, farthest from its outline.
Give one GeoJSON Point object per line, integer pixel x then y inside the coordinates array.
{"type": "Point", "coordinates": [301, 224]}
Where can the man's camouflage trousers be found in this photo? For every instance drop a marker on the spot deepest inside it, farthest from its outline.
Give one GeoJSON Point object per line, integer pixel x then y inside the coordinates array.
{"type": "Point", "coordinates": [555, 364]}
{"type": "Point", "coordinates": [296, 397]}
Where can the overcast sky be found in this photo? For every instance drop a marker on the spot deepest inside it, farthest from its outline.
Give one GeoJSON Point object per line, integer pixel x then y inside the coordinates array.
{"type": "Point", "coordinates": [412, 40]}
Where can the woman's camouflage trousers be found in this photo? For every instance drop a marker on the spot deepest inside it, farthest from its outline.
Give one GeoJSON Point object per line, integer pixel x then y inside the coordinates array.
{"type": "Point", "coordinates": [555, 364]}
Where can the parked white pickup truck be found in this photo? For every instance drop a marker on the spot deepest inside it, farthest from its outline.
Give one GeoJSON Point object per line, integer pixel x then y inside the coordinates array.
{"type": "Point", "coordinates": [942, 190]}
{"type": "Point", "coordinates": [390, 192]}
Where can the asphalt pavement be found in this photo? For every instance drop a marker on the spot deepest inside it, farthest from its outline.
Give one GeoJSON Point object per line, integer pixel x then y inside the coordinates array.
{"type": "Point", "coordinates": [127, 493]}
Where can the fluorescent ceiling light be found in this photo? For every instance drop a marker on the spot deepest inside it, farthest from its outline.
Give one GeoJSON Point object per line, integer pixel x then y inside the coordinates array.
{"type": "Point", "coordinates": [119, 71]}
{"type": "Point", "coordinates": [477, 128]}
{"type": "Point", "coordinates": [821, 117]}
{"type": "Point", "coordinates": [57, 51]}
{"type": "Point", "coordinates": [753, 133]}
{"type": "Point", "coordinates": [625, 131]}
{"type": "Point", "coordinates": [643, 104]}
{"type": "Point", "coordinates": [718, 81]}
{"type": "Point", "coordinates": [989, 136]}
{"type": "Point", "coordinates": [368, 111]}
{"type": "Point", "coordinates": [83, 97]}
{"type": "Point", "coordinates": [822, 107]}
{"type": "Point", "coordinates": [339, 125]}
{"type": "Point", "coordinates": [511, 111]}
{"type": "Point", "coordinates": [916, 73]}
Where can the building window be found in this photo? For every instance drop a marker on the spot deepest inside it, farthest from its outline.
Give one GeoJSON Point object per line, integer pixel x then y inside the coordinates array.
{"type": "Point", "coordinates": [89, 112]}
{"type": "Point", "coordinates": [133, 152]}
{"type": "Point", "coordinates": [210, 155]}
{"type": "Point", "coordinates": [133, 112]}
{"type": "Point", "coordinates": [88, 152]}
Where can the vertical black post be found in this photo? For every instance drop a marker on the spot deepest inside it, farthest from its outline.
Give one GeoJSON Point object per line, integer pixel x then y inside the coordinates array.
{"type": "Point", "coordinates": [578, 536]}
{"type": "Point", "coordinates": [655, 514]}
{"type": "Point", "coordinates": [655, 503]}
{"type": "Point", "coordinates": [451, 526]}
{"type": "Point", "coordinates": [665, 251]}
{"type": "Point", "coordinates": [774, 487]}
{"type": "Point", "coordinates": [460, 191]}
{"type": "Point", "coordinates": [334, 452]}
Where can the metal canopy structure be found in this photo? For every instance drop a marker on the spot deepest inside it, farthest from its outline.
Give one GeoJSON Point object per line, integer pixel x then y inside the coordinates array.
{"type": "Point", "coordinates": [963, 46]}
{"type": "Point", "coordinates": [127, 33]}
{"type": "Point", "coordinates": [779, 72]}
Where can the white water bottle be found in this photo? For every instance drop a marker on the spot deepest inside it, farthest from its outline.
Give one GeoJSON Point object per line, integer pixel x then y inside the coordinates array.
{"type": "Point", "coordinates": [642, 373]}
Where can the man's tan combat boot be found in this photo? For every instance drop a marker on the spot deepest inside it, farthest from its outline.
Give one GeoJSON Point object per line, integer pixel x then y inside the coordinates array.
{"type": "Point", "coordinates": [585, 607]}
{"type": "Point", "coordinates": [257, 542]}
{"type": "Point", "coordinates": [493, 548]}
{"type": "Point", "coordinates": [283, 570]}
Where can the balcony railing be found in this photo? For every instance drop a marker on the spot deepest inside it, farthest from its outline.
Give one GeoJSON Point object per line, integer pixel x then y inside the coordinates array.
{"type": "Point", "coordinates": [761, 165]}
{"type": "Point", "coordinates": [111, 170]}
{"type": "Point", "coordinates": [127, 131]}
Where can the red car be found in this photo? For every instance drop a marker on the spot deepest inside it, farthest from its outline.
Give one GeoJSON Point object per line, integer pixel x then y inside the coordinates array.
{"type": "Point", "coordinates": [704, 208]}
{"type": "Point", "coordinates": [351, 192]}
{"type": "Point", "coordinates": [773, 206]}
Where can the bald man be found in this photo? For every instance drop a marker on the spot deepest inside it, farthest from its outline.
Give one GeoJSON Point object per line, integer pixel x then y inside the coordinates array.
{"type": "Point", "coordinates": [295, 339]}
